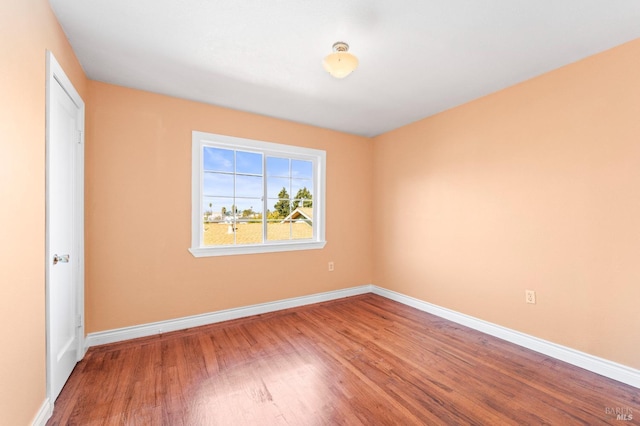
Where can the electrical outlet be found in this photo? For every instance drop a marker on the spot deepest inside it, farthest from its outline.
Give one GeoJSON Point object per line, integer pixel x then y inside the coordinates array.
{"type": "Point", "coordinates": [530, 296]}
{"type": "Point", "coordinates": [330, 266]}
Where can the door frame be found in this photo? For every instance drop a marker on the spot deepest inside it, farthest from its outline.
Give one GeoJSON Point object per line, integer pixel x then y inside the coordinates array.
{"type": "Point", "coordinates": [56, 75]}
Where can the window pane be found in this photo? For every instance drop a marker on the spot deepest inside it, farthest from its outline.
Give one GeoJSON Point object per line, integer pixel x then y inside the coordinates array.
{"type": "Point", "coordinates": [279, 209]}
{"type": "Point", "coordinates": [303, 196]}
{"type": "Point", "coordinates": [278, 230]}
{"type": "Point", "coordinates": [275, 187]}
{"type": "Point", "coordinates": [249, 221]}
{"type": "Point", "coordinates": [301, 229]}
{"type": "Point", "coordinates": [217, 184]}
{"type": "Point", "coordinates": [300, 219]}
{"type": "Point", "coordinates": [220, 231]}
{"type": "Point", "coordinates": [217, 159]}
{"type": "Point", "coordinates": [301, 169]}
{"type": "Point", "coordinates": [248, 162]}
{"type": "Point", "coordinates": [212, 209]}
{"type": "Point", "coordinates": [248, 233]}
{"type": "Point", "coordinates": [301, 188]}
{"type": "Point", "coordinates": [294, 225]}
{"type": "Point", "coordinates": [307, 205]}
{"type": "Point", "coordinates": [277, 166]}
{"type": "Point", "coordinates": [248, 209]}
{"type": "Point", "coordinates": [224, 206]}
{"type": "Point", "coordinates": [249, 186]}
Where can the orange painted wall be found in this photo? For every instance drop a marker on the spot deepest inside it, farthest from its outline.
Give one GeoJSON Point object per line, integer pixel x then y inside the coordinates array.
{"type": "Point", "coordinates": [138, 189]}
{"type": "Point", "coordinates": [27, 29]}
{"type": "Point", "coordinates": [533, 187]}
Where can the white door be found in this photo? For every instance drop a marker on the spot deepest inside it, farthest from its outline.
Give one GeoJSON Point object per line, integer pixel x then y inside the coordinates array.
{"type": "Point", "coordinates": [64, 227]}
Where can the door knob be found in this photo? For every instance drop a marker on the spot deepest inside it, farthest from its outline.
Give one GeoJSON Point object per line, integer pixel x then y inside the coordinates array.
{"type": "Point", "coordinates": [62, 259]}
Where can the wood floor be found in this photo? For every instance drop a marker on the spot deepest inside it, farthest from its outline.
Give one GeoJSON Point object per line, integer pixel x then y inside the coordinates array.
{"type": "Point", "coordinates": [363, 360]}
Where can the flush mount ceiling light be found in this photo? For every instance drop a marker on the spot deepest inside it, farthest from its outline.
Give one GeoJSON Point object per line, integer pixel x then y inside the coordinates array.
{"type": "Point", "coordinates": [340, 63]}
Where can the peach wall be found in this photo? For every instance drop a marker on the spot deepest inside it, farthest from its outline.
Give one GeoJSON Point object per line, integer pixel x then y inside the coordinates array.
{"type": "Point", "coordinates": [27, 29]}
{"type": "Point", "coordinates": [534, 187]}
{"type": "Point", "coordinates": [138, 269]}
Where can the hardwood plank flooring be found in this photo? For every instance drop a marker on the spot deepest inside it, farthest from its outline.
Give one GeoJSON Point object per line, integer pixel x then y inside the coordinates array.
{"type": "Point", "coordinates": [363, 360]}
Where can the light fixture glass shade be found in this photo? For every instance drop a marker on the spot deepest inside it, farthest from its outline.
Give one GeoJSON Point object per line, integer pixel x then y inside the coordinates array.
{"type": "Point", "coordinates": [340, 63]}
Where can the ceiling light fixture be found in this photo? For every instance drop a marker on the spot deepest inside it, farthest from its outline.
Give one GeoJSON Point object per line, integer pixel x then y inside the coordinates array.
{"type": "Point", "coordinates": [340, 63]}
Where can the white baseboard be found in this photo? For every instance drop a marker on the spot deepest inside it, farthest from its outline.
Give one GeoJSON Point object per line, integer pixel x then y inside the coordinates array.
{"type": "Point", "coordinates": [592, 363]}
{"type": "Point", "coordinates": [44, 414]}
{"type": "Point", "coordinates": [150, 329]}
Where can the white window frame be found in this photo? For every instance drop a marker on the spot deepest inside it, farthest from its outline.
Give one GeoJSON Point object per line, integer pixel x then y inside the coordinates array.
{"type": "Point", "coordinates": [200, 140]}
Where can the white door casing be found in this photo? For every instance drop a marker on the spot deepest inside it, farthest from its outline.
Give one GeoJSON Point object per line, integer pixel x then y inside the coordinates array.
{"type": "Point", "coordinates": [64, 227]}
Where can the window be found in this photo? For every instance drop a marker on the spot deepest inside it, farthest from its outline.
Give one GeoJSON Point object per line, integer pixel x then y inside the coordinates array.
{"type": "Point", "coordinates": [254, 197]}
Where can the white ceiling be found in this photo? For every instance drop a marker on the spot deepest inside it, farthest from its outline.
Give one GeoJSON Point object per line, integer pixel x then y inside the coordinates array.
{"type": "Point", "coordinates": [417, 57]}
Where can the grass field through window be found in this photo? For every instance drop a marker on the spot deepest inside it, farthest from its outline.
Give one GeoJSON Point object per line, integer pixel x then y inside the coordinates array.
{"type": "Point", "coordinates": [251, 233]}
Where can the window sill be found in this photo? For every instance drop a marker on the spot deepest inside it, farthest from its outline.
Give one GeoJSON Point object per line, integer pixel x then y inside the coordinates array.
{"type": "Point", "coordinates": [257, 248]}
